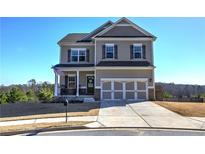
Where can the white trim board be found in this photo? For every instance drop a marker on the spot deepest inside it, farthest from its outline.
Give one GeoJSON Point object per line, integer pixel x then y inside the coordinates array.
{"type": "Point", "coordinates": [97, 87]}
{"type": "Point", "coordinates": [95, 52]}
{"type": "Point", "coordinates": [125, 39]}
{"type": "Point", "coordinates": [150, 87]}
{"type": "Point", "coordinates": [124, 79]}
{"type": "Point", "coordinates": [104, 68]}
{"type": "Point", "coordinates": [123, 68]}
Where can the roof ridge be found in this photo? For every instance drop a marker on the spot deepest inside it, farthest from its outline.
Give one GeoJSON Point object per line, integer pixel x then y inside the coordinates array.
{"type": "Point", "coordinates": [101, 26]}
{"type": "Point", "coordinates": [77, 33]}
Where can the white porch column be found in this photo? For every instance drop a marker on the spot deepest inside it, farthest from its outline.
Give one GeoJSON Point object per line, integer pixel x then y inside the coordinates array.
{"type": "Point", "coordinates": [77, 89]}
{"type": "Point", "coordinates": [112, 88]}
{"type": "Point", "coordinates": [124, 90]}
{"type": "Point", "coordinates": [56, 85]}
{"type": "Point", "coordinates": [147, 95]}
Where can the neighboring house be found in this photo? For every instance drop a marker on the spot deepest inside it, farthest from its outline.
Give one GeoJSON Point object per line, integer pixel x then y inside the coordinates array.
{"type": "Point", "coordinates": [113, 62]}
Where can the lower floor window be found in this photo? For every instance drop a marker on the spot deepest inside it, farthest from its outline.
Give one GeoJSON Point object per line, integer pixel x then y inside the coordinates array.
{"type": "Point", "coordinates": [71, 82]}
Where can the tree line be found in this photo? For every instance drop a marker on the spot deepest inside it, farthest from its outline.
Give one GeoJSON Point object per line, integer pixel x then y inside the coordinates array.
{"type": "Point", "coordinates": [171, 90]}
{"type": "Point", "coordinates": [30, 92]}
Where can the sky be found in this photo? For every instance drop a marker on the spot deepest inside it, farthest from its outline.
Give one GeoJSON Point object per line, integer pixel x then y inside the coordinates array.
{"type": "Point", "coordinates": [28, 47]}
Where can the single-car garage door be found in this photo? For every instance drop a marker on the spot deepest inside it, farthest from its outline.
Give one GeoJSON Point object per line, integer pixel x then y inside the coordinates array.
{"type": "Point", "coordinates": [118, 89]}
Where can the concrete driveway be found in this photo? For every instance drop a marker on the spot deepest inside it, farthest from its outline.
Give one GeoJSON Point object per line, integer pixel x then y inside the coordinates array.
{"type": "Point", "coordinates": [142, 114]}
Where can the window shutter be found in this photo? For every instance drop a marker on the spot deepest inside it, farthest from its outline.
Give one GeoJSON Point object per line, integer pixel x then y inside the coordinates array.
{"type": "Point", "coordinates": [103, 52]}
{"type": "Point", "coordinates": [131, 51]}
{"type": "Point", "coordinates": [69, 55]}
{"type": "Point", "coordinates": [66, 81]}
{"type": "Point", "coordinates": [87, 55]}
{"type": "Point", "coordinates": [116, 52]}
{"type": "Point", "coordinates": [144, 51]}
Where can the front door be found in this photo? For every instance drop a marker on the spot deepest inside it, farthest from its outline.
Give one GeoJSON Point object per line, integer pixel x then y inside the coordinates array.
{"type": "Point", "coordinates": [90, 85]}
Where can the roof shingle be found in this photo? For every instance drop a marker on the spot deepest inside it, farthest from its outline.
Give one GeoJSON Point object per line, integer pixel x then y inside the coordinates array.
{"type": "Point", "coordinates": [124, 63]}
{"type": "Point", "coordinates": [73, 37]}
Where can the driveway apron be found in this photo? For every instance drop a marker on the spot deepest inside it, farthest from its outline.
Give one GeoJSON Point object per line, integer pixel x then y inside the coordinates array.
{"type": "Point", "coordinates": [118, 114]}
{"type": "Point", "coordinates": [142, 114]}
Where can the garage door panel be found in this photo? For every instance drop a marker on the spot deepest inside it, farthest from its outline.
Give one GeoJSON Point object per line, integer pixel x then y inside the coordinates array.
{"type": "Point", "coordinates": [141, 95]}
{"type": "Point", "coordinates": [130, 95]}
{"type": "Point", "coordinates": [130, 86]}
{"type": "Point", "coordinates": [141, 85]}
{"type": "Point", "coordinates": [118, 95]}
{"type": "Point", "coordinates": [106, 85]}
{"type": "Point", "coordinates": [106, 95]}
{"type": "Point", "coordinates": [117, 85]}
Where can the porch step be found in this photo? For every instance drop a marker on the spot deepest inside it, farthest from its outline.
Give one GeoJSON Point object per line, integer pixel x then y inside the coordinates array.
{"type": "Point", "coordinates": [88, 100]}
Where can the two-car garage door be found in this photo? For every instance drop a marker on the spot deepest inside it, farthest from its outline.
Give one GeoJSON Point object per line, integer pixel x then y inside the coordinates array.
{"type": "Point", "coordinates": [118, 89]}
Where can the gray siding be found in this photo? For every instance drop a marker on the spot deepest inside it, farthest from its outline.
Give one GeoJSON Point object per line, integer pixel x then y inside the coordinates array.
{"type": "Point", "coordinates": [124, 74]}
{"type": "Point", "coordinates": [123, 50]}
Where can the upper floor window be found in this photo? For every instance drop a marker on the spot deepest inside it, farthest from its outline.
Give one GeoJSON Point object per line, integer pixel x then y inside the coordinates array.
{"type": "Point", "coordinates": [109, 51]}
{"type": "Point", "coordinates": [78, 55]}
{"type": "Point", "coordinates": [137, 51]}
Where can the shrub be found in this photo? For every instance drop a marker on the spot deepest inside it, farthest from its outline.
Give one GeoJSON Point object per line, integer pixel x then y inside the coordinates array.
{"type": "Point", "coordinates": [202, 95]}
{"type": "Point", "coordinates": [45, 94]}
{"type": "Point", "coordinates": [16, 95]}
{"type": "Point", "coordinates": [31, 96]}
{"type": "Point", "coordinates": [167, 95]}
{"type": "Point", "coordinates": [3, 98]}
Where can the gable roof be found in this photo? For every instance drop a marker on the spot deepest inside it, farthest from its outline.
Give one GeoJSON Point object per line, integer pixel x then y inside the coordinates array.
{"type": "Point", "coordinates": [121, 28]}
{"type": "Point", "coordinates": [123, 31]}
{"type": "Point", "coordinates": [96, 31]}
{"type": "Point", "coordinates": [124, 28]}
{"type": "Point", "coordinates": [73, 37]}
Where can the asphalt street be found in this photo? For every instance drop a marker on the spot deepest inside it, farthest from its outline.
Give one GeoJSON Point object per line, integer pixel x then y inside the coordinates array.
{"type": "Point", "coordinates": [123, 132]}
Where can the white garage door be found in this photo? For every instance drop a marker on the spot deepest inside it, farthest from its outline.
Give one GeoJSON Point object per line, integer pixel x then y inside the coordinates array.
{"type": "Point", "coordinates": [118, 89]}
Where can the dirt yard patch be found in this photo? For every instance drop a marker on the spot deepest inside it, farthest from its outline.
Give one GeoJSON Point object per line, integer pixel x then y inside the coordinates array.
{"type": "Point", "coordinates": [10, 112]}
{"type": "Point", "coordinates": [39, 126]}
{"type": "Point", "coordinates": [185, 108]}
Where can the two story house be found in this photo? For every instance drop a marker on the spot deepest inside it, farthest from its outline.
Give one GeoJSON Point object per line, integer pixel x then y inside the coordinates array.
{"type": "Point", "coordinates": [113, 62]}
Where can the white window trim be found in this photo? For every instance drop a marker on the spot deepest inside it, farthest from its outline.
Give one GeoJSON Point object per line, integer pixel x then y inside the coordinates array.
{"type": "Point", "coordinates": [72, 75]}
{"type": "Point", "coordinates": [110, 44]}
{"type": "Point", "coordinates": [138, 44]}
{"type": "Point", "coordinates": [78, 49]}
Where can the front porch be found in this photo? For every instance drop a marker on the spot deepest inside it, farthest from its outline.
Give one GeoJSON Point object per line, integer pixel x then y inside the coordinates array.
{"type": "Point", "coordinates": [74, 83]}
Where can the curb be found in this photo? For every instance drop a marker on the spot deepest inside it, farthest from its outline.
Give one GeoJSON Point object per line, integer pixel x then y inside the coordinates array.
{"type": "Point", "coordinates": [33, 133]}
